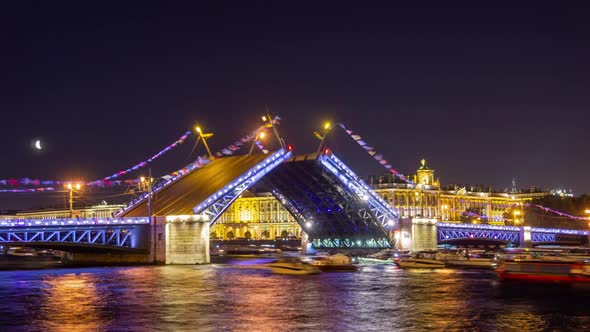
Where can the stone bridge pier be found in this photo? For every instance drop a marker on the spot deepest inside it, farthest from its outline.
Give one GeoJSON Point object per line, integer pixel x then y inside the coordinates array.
{"type": "Point", "coordinates": [166, 240]}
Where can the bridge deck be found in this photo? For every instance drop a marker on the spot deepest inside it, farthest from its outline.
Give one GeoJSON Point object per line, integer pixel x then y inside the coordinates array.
{"type": "Point", "coordinates": [181, 196]}
{"type": "Point", "coordinates": [323, 205]}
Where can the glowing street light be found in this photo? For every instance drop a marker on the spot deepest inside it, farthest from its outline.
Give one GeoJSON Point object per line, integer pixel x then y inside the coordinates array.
{"type": "Point", "coordinates": [516, 213]}
{"type": "Point", "coordinates": [71, 187]}
{"type": "Point", "coordinates": [260, 135]}
{"type": "Point", "coordinates": [204, 136]}
{"type": "Point", "coordinates": [269, 122]}
{"type": "Point", "coordinates": [322, 136]}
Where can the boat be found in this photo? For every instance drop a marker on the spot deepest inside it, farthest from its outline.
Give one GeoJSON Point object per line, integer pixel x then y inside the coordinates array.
{"type": "Point", "coordinates": [421, 260]}
{"type": "Point", "coordinates": [292, 266]}
{"type": "Point", "coordinates": [337, 262]}
{"type": "Point", "coordinates": [543, 266]}
{"type": "Point", "coordinates": [466, 260]}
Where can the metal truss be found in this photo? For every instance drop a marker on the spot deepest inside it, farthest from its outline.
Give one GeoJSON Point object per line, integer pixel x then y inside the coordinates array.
{"type": "Point", "coordinates": [217, 203]}
{"type": "Point", "coordinates": [296, 211]}
{"type": "Point", "coordinates": [377, 205]}
{"type": "Point", "coordinates": [445, 234]}
{"type": "Point", "coordinates": [543, 237]}
{"type": "Point", "coordinates": [322, 205]}
{"type": "Point", "coordinates": [372, 243]}
{"type": "Point", "coordinates": [114, 236]}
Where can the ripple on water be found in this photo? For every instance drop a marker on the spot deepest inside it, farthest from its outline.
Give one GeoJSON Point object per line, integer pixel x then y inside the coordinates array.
{"type": "Point", "coordinates": [246, 297]}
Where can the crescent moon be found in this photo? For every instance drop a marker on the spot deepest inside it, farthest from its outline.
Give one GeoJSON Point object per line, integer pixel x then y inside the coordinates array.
{"type": "Point", "coordinates": [38, 145]}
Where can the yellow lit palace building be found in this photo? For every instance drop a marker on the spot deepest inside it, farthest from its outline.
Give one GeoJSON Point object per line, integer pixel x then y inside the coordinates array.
{"type": "Point", "coordinates": [261, 216]}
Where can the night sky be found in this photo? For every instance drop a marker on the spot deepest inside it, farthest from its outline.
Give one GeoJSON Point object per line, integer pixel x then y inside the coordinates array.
{"type": "Point", "coordinates": [484, 93]}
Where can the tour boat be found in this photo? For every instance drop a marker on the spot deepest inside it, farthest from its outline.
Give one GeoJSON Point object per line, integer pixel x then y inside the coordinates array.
{"type": "Point", "coordinates": [421, 260]}
{"type": "Point", "coordinates": [543, 266]}
{"type": "Point", "coordinates": [337, 262]}
{"type": "Point", "coordinates": [385, 256]}
{"type": "Point", "coordinates": [293, 267]}
{"type": "Point", "coordinates": [470, 261]}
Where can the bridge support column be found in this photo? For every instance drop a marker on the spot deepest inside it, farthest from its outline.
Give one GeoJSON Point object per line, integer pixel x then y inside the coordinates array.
{"type": "Point", "coordinates": [525, 237]}
{"type": "Point", "coordinates": [304, 243]}
{"type": "Point", "coordinates": [187, 240]}
{"type": "Point", "coordinates": [417, 234]}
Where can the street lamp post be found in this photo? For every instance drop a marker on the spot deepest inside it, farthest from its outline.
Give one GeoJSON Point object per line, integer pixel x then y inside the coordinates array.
{"type": "Point", "coordinates": [71, 188]}
{"type": "Point", "coordinates": [204, 136]}
{"type": "Point", "coordinates": [322, 137]}
{"type": "Point", "coordinates": [270, 123]}
{"type": "Point", "coordinates": [258, 136]}
{"type": "Point", "coordinates": [147, 185]}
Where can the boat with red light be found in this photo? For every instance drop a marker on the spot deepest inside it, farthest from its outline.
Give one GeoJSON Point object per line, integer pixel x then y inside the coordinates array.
{"type": "Point", "coordinates": [543, 266]}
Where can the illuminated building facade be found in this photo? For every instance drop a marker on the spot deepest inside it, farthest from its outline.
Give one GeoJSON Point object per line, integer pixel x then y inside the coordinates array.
{"type": "Point", "coordinates": [256, 217]}
{"type": "Point", "coordinates": [96, 211]}
{"type": "Point", "coordinates": [262, 216]}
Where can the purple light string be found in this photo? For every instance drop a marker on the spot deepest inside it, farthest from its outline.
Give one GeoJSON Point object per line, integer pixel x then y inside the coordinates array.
{"type": "Point", "coordinates": [378, 157]}
{"type": "Point", "coordinates": [105, 182]}
{"type": "Point", "coordinates": [563, 214]}
{"type": "Point", "coordinates": [146, 162]}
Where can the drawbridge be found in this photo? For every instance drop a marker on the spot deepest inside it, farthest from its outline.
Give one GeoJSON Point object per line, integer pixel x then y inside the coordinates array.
{"type": "Point", "coordinates": [330, 202]}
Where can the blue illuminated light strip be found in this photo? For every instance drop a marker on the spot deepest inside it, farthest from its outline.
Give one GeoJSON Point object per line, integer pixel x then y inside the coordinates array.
{"type": "Point", "coordinates": [72, 222]}
{"type": "Point", "coordinates": [471, 226]}
{"type": "Point", "coordinates": [290, 207]}
{"type": "Point", "coordinates": [382, 210]}
{"type": "Point", "coordinates": [542, 237]}
{"type": "Point", "coordinates": [108, 236]}
{"type": "Point", "coordinates": [489, 234]}
{"type": "Point", "coordinates": [215, 204]}
{"type": "Point", "coordinates": [142, 198]}
{"type": "Point", "coordinates": [320, 243]}
{"type": "Point", "coordinates": [513, 228]}
{"type": "Point", "coordinates": [560, 231]}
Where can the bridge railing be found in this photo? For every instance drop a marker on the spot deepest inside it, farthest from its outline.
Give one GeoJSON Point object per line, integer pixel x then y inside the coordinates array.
{"type": "Point", "coordinates": [72, 222]}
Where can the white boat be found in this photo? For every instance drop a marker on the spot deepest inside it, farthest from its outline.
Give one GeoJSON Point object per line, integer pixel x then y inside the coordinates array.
{"type": "Point", "coordinates": [292, 267]}
{"type": "Point", "coordinates": [472, 261]}
{"type": "Point", "coordinates": [421, 260]}
{"type": "Point", "coordinates": [337, 262]}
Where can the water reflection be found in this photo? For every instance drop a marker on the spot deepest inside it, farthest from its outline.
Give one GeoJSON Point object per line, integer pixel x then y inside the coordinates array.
{"type": "Point", "coordinates": [244, 297]}
{"type": "Point", "coordinates": [69, 302]}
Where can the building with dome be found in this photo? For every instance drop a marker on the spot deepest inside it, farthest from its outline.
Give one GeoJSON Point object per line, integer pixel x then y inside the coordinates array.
{"type": "Point", "coordinates": [261, 216]}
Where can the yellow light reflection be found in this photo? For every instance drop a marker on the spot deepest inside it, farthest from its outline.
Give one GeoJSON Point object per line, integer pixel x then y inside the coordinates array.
{"type": "Point", "coordinates": [71, 303]}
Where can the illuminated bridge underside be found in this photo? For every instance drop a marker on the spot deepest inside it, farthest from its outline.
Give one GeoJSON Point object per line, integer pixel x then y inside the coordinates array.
{"type": "Point", "coordinates": [207, 185]}
{"type": "Point", "coordinates": [453, 234]}
{"type": "Point", "coordinates": [332, 205]}
{"type": "Point", "coordinates": [110, 234]}
{"type": "Point", "coordinates": [507, 234]}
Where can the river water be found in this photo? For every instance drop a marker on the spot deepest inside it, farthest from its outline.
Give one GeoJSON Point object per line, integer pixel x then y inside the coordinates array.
{"type": "Point", "coordinates": [241, 297]}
